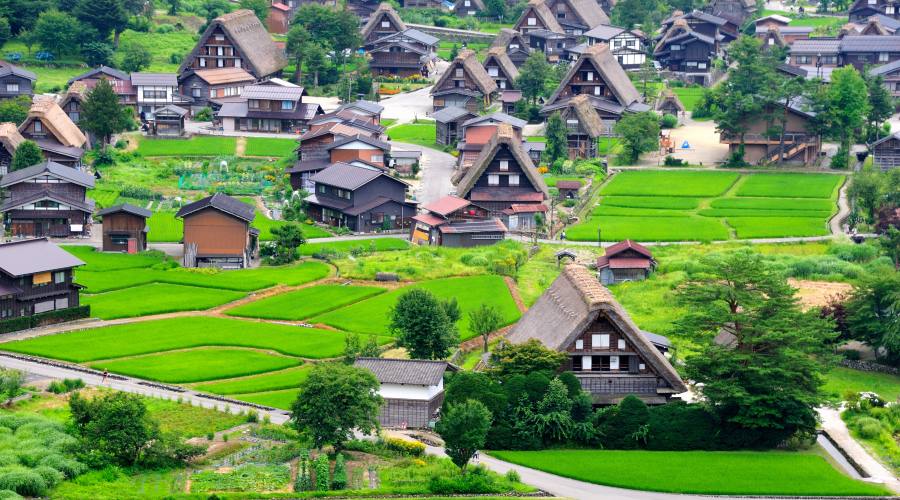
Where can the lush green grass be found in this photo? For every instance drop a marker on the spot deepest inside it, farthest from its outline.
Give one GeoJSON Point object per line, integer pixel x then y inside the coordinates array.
{"type": "Point", "coordinates": [670, 183]}
{"type": "Point", "coordinates": [776, 227]}
{"type": "Point", "coordinates": [156, 298]}
{"type": "Point", "coordinates": [305, 303]}
{"type": "Point", "coordinates": [665, 202]}
{"type": "Point", "coordinates": [195, 146]}
{"type": "Point", "coordinates": [704, 472]}
{"type": "Point", "coordinates": [689, 96]}
{"type": "Point", "coordinates": [551, 179]}
{"type": "Point", "coordinates": [798, 204]}
{"type": "Point", "coordinates": [197, 365]}
{"type": "Point", "coordinates": [840, 380]}
{"type": "Point", "coordinates": [422, 133]}
{"type": "Point", "coordinates": [649, 228]}
{"type": "Point", "coordinates": [104, 197]}
{"type": "Point", "coordinates": [282, 399]}
{"type": "Point", "coordinates": [268, 146]}
{"type": "Point", "coordinates": [283, 379]}
{"type": "Point", "coordinates": [790, 185]}
{"type": "Point", "coordinates": [112, 483]}
{"type": "Point", "coordinates": [164, 227]}
{"type": "Point", "coordinates": [149, 337]}
{"type": "Point", "coordinates": [244, 280]}
{"type": "Point", "coordinates": [96, 260]}
{"type": "Point", "coordinates": [189, 420]}
{"type": "Point", "coordinates": [373, 315]}
{"type": "Point", "coordinates": [345, 246]}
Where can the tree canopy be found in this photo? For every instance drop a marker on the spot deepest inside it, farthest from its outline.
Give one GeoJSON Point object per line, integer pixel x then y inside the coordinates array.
{"type": "Point", "coordinates": [27, 154]}
{"type": "Point", "coordinates": [527, 357]}
{"type": "Point", "coordinates": [101, 113]}
{"type": "Point", "coordinates": [639, 134]}
{"type": "Point", "coordinates": [424, 325]}
{"type": "Point", "coordinates": [464, 428]}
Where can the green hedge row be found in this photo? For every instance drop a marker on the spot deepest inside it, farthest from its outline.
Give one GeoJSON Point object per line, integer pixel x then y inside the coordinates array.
{"type": "Point", "coordinates": [42, 319]}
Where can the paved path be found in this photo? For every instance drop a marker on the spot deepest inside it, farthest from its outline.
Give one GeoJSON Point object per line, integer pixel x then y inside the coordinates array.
{"type": "Point", "coordinates": [836, 223]}
{"type": "Point", "coordinates": [406, 107]}
{"type": "Point", "coordinates": [135, 386]}
{"type": "Point", "coordinates": [834, 425]}
{"type": "Point", "coordinates": [436, 170]}
{"type": "Point", "coordinates": [705, 148]}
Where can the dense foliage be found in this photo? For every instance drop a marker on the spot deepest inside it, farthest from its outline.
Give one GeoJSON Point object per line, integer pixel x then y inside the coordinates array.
{"type": "Point", "coordinates": [425, 325]}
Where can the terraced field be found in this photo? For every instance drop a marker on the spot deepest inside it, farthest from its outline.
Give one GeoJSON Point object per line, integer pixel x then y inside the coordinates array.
{"type": "Point", "coordinates": [665, 205]}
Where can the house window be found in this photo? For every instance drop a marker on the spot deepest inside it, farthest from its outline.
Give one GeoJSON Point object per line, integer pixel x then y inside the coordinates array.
{"type": "Point", "coordinates": [597, 91]}
{"type": "Point", "coordinates": [459, 73]}
{"type": "Point", "coordinates": [493, 180]}
{"type": "Point", "coordinates": [154, 94]}
{"type": "Point", "coordinates": [253, 103]}
{"type": "Point", "coordinates": [220, 38]}
{"type": "Point", "coordinates": [322, 189]}
{"type": "Point", "coordinates": [220, 51]}
{"type": "Point", "coordinates": [118, 239]}
{"type": "Point", "coordinates": [501, 84]}
{"type": "Point", "coordinates": [59, 277]}
{"type": "Point", "coordinates": [771, 41]}
{"type": "Point", "coordinates": [195, 92]}
{"type": "Point", "coordinates": [586, 363]}
{"type": "Point", "coordinates": [701, 65]}
{"type": "Point", "coordinates": [504, 165]}
{"type": "Point", "coordinates": [287, 105]}
{"type": "Point", "coordinates": [220, 63]}
{"type": "Point", "coordinates": [467, 3]}
{"type": "Point", "coordinates": [613, 362]}
{"type": "Point", "coordinates": [532, 21]}
{"type": "Point", "coordinates": [579, 344]}
{"type": "Point", "coordinates": [675, 46]}
{"type": "Point", "coordinates": [38, 126]}
{"type": "Point", "coordinates": [202, 62]}
{"type": "Point", "coordinates": [621, 343]}
{"type": "Point", "coordinates": [589, 76]}
{"type": "Point", "coordinates": [600, 341]}
{"type": "Point", "coordinates": [642, 367]}
{"type": "Point", "coordinates": [385, 24]}
{"type": "Point", "coordinates": [514, 180]}
{"type": "Point", "coordinates": [829, 60]}
{"type": "Point", "coordinates": [883, 57]}
{"type": "Point", "coordinates": [691, 64]}
{"type": "Point", "coordinates": [803, 59]}
{"type": "Point", "coordinates": [12, 87]}
{"type": "Point", "coordinates": [237, 63]}
{"type": "Point", "coordinates": [493, 71]}
{"type": "Point", "coordinates": [378, 158]}
{"type": "Point", "coordinates": [889, 9]}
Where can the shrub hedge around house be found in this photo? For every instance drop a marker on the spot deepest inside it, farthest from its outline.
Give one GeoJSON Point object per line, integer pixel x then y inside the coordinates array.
{"type": "Point", "coordinates": [43, 319]}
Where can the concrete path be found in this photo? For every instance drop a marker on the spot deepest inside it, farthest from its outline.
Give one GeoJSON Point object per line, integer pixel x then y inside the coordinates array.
{"type": "Point", "coordinates": [406, 107]}
{"type": "Point", "coordinates": [834, 425]}
{"type": "Point", "coordinates": [836, 223]}
{"type": "Point", "coordinates": [436, 169]}
{"type": "Point", "coordinates": [135, 386]}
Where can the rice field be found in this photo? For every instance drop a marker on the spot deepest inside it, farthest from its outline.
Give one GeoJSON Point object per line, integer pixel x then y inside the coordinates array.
{"type": "Point", "coordinates": [305, 303]}
{"type": "Point", "coordinates": [665, 205]}
{"type": "Point", "coordinates": [197, 365]}
{"type": "Point", "coordinates": [156, 298]}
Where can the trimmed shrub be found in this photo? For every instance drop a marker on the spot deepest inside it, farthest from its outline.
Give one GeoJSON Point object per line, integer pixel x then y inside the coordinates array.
{"type": "Point", "coordinates": [668, 121]}
{"type": "Point", "coordinates": [475, 481]}
{"type": "Point", "coordinates": [681, 426]}
{"type": "Point", "coordinates": [625, 426]}
{"type": "Point", "coordinates": [868, 427]}
{"type": "Point", "coordinates": [24, 482]}
{"type": "Point", "coordinates": [404, 447]}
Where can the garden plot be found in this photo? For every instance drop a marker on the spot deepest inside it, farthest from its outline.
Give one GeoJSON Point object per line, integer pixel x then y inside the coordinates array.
{"type": "Point", "coordinates": [305, 303]}
{"type": "Point", "coordinates": [156, 298]}
{"type": "Point", "coordinates": [373, 315]}
{"type": "Point", "coordinates": [195, 146]}
{"type": "Point", "coordinates": [197, 365]}
{"type": "Point", "coordinates": [657, 205]}
{"type": "Point", "coordinates": [348, 246]}
{"type": "Point", "coordinates": [150, 337]}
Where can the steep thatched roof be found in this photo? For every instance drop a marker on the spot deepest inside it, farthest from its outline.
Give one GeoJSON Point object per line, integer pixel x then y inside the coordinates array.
{"type": "Point", "coordinates": [589, 11]}
{"type": "Point", "coordinates": [10, 138]}
{"type": "Point", "coordinates": [504, 136]}
{"type": "Point", "coordinates": [499, 56]}
{"type": "Point", "coordinates": [383, 10]}
{"type": "Point", "coordinates": [467, 60]}
{"type": "Point", "coordinates": [668, 98]}
{"type": "Point", "coordinates": [774, 32]}
{"type": "Point", "coordinates": [539, 8]}
{"type": "Point", "coordinates": [252, 40]}
{"type": "Point", "coordinates": [506, 36]}
{"type": "Point", "coordinates": [56, 121]}
{"type": "Point", "coordinates": [587, 116]}
{"type": "Point", "coordinates": [572, 303]}
{"type": "Point", "coordinates": [610, 71]}
{"type": "Point", "coordinates": [476, 5]}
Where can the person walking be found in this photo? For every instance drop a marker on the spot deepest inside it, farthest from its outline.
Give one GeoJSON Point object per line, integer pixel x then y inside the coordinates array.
{"type": "Point", "coordinates": [105, 375]}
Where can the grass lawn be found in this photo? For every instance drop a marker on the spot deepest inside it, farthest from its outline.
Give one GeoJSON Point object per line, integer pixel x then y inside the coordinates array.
{"type": "Point", "coordinates": [273, 381]}
{"type": "Point", "coordinates": [551, 179]}
{"type": "Point", "coordinates": [197, 365]}
{"type": "Point", "coordinates": [305, 303]}
{"type": "Point", "coordinates": [190, 420]}
{"type": "Point", "coordinates": [149, 337]}
{"type": "Point", "coordinates": [156, 298]}
{"type": "Point", "coordinates": [422, 133]}
{"type": "Point", "coordinates": [104, 197]}
{"type": "Point", "coordinates": [195, 146]}
{"type": "Point", "coordinates": [840, 380]}
{"type": "Point", "coordinates": [790, 185]}
{"type": "Point", "coordinates": [164, 227]}
{"type": "Point", "coordinates": [775, 227]}
{"type": "Point", "coordinates": [371, 245]}
{"type": "Point", "coordinates": [271, 147]}
{"type": "Point", "coordinates": [373, 315]}
{"type": "Point", "coordinates": [670, 183]}
{"type": "Point", "coordinates": [282, 399]}
{"type": "Point", "coordinates": [96, 260]}
{"type": "Point", "coordinates": [703, 472]}
{"type": "Point", "coordinates": [689, 96]}
{"type": "Point", "coordinates": [649, 228]}
{"type": "Point", "coordinates": [665, 202]}
{"type": "Point", "coordinates": [243, 280]}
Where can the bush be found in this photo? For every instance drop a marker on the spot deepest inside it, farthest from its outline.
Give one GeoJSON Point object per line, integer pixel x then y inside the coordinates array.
{"type": "Point", "coordinates": [513, 476]}
{"type": "Point", "coordinates": [9, 495]}
{"type": "Point", "coordinates": [475, 481]}
{"type": "Point", "coordinates": [65, 385]}
{"type": "Point", "coordinates": [671, 161]}
{"type": "Point", "coordinates": [668, 121]}
{"type": "Point", "coordinates": [204, 115]}
{"type": "Point", "coordinates": [852, 252]}
{"type": "Point", "coordinates": [868, 427]}
{"type": "Point", "coordinates": [50, 475]}
{"type": "Point", "coordinates": [139, 192]}
{"type": "Point", "coordinates": [404, 447]}
{"type": "Point", "coordinates": [48, 318]}
{"type": "Point", "coordinates": [24, 482]}
{"type": "Point", "coordinates": [340, 474]}
{"type": "Point", "coordinates": [681, 426]}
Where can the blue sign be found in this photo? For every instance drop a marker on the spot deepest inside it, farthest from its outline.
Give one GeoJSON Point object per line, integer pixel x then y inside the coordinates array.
{"type": "Point", "coordinates": [685, 145]}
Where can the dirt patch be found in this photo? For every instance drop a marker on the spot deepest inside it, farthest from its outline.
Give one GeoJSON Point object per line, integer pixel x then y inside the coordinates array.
{"type": "Point", "coordinates": [818, 293]}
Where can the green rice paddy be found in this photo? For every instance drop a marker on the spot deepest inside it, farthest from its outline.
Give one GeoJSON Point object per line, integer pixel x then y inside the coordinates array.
{"type": "Point", "coordinates": [156, 298]}
{"type": "Point", "coordinates": [305, 303]}
{"type": "Point", "coordinates": [273, 381]}
{"type": "Point", "coordinates": [197, 365]}
{"type": "Point", "coordinates": [654, 205]}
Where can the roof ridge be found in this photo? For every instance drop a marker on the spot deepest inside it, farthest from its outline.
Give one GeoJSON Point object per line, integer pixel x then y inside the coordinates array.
{"type": "Point", "coordinates": [592, 292]}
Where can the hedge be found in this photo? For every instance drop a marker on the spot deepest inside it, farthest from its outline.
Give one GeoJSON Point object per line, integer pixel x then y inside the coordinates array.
{"type": "Point", "coordinates": [42, 319]}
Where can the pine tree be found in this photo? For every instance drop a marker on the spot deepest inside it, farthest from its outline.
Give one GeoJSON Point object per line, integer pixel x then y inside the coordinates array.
{"type": "Point", "coordinates": [101, 113]}
{"type": "Point", "coordinates": [27, 154]}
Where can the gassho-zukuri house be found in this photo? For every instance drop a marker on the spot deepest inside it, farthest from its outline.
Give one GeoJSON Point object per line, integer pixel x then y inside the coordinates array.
{"type": "Point", "coordinates": [607, 352]}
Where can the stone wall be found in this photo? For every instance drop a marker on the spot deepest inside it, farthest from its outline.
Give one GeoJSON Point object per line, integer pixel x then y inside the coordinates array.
{"type": "Point", "coordinates": [868, 366]}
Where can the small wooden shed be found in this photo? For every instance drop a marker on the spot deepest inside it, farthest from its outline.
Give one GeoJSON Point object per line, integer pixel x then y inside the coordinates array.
{"type": "Point", "coordinates": [125, 228]}
{"type": "Point", "coordinates": [625, 261]}
{"type": "Point", "coordinates": [169, 120]}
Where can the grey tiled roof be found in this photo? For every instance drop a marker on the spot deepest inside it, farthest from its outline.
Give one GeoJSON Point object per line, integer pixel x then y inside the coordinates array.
{"type": "Point", "coordinates": [127, 208]}
{"type": "Point", "coordinates": [346, 176]}
{"type": "Point", "coordinates": [404, 371]}
{"type": "Point", "coordinates": [158, 79]}
{"type": "Point", "coordinates": [21, 258]}
{"type": "Point", "coordinates": [260, 91]}
{"type": "Point", "coordinates": [497, 117]}
{"type": "Point", "coordinates": [449, 114]}
{"type": "Point", "coordinates": [63, 172]}
{"type": "Point", "coordinates": [816, 46]}
{"type": "Point", "coordinates": [604, 32]}
{"type": "Point", "coordinates": [221, 202]}
{"type": "Point", "coordinates": [870, 43]}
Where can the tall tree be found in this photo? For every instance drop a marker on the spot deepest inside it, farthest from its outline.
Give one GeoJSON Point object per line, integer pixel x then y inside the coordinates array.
{"type": "Point", "coordinates": [639, 133]}
{"type": "Point", "coordinates": [873, 314]}
{"type": "Point", "coordinates": [288, 238]}
{"type": "Point", "coordinates": [647, 13]}
{"type": "Point", "coordinates": [96, 53]}
{"type": "Point", "coordinates": [114, 427]}
{"type": "Point", "coordinates": [106, 16]}
{"type": "Point", "coordinates": [317, 61]}
{"type": "Point", "coordinates": [495, 8]}
{"type": "Point", "coordinates": [336, 29]}
{"type": "Point", "coordinates": [422, 325]}
{"type": "Point", "coordinates": [101, 113]}
{"type": "Point", "coordinates": [483, 321]}
{"type": "Point", "coordinates": [5, 31]}
{"type": "Point", "coordinates": [135, 57]}
{"type": "Point", "coordinates": [866, 191]}
{"type": "Point", "coordinates": [27, 154]}
{"type": "Point", "coordinates": [334, 400]}
{"type": "Point", "coordinates": [15, 110]}
{"type": "Point", "coordinates": [23, 14]}
{"type": "Point", "coordinates": [296, 46]}
{"type": "Point", "coordinates": [881, 105]}
{"type": "Point", "coordinates": [842, 108]}
{"type": "Point", "coordinates": [464, 428]}
{"type": "Point", "coordinates": [766, 382]}
{"type": "Point", "coordinates": [532, 80]}
{"type": "Point", "coordinates": [57, 32]}
{"type": "Point", "coordinates": [174, 5]}
{"type": "Point", "coordinates": [557, 139]}
{"type": "Point", "coordinates": [259, 7]}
